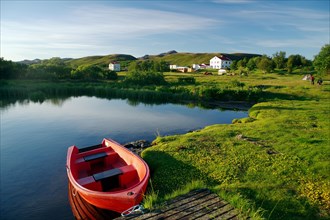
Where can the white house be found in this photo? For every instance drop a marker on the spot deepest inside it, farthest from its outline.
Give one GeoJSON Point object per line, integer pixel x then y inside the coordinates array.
{"type": "Point", "coordinates": [114, 66]}
{"type": "Point", "coordinates": [221, 62]}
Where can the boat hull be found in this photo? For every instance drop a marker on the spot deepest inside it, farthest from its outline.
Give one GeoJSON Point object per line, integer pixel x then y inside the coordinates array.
{"type": "Point", "coordinates": [109, 176]}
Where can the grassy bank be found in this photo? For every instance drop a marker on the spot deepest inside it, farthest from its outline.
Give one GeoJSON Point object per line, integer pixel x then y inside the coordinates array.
{"type": "Point", "coordinates": [273, 165]}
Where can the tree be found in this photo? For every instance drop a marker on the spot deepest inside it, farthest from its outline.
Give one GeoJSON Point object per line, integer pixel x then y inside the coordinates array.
{"type": "Point", "coordinates": [296, 61]}
{"type": "Point", "coordinates": [279, 59]}
{"type": "Point", "coordinates": [251, 64]}
{"type": "Point", "coordinates": [88, 72]}
{"type": "Point", "coordinates": [135, 66]}
{"type": "Point", "coordinates": [322, 60]}
{"type": "Point", "coordinates": [11, 70]}
{"type": "Point", "coordinates": [56, 61]}
{"type": "Point", "coordinates": [111, 75]}
{"type": "Point", "coordinates": [233, 65]}
{"type": "Point", "coordinates": [148, 66]}
{"type": "Point", "coordinates": [145, 78]}
{"type": "Point", "coordinates": [265, 64]}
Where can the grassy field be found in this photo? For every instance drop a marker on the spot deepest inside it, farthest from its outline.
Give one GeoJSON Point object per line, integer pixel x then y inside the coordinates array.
{"type": "Point", "coordinates": [273, 165]}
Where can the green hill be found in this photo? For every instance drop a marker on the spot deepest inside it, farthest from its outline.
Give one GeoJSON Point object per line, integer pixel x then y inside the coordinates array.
{"type": "Point", "coordinates": [187, 59]}
{"type": "Point", "coordinates": [172, 57]}
{"type": "Point", "coordinates": [100, 60]}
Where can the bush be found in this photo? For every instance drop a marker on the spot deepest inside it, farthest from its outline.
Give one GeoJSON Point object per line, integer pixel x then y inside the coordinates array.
{"type": "Point", "coordinates": [145, 78]}
{"type": "Point", "coordinates": [90, 72]}
{"type": "Point", "coordinates": [111, 75]}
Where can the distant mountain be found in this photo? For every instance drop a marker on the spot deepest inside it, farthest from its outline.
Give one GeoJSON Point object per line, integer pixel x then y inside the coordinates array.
{"type": "Point", "coordinates": [101, 60]}
{"type": "Point", "coordinates": [187, 59]}
{"type": "Point", "coordinates": [145, 57]}
{"type": "Point", "coordinates": [172, 57]}
{"type": "Point", "coordinates": [29, 62]}
{"type": "Point", "coordinates": [239, 56]}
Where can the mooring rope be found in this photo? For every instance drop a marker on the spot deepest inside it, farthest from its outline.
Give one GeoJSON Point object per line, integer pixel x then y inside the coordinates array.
{"type": "Point", "coordinates": [137, 209]}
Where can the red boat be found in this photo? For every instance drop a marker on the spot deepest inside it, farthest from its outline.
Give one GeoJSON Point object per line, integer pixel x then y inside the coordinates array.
{"type": "Point", "coordinates": [108, 175]}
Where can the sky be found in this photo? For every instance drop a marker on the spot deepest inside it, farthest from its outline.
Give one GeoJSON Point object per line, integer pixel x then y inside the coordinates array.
{"type": "Point", "coordinates": [79, 28]}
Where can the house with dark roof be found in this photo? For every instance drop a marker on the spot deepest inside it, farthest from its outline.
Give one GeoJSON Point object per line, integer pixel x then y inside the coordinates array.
{"type": "Point", "coordinates": [220, 62]}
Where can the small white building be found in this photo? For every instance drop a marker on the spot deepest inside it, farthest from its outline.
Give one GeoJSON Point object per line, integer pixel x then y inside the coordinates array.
{"type": "Point", "coordinates": [222, 72]}
{"type": "Point", "coordinates": [196, 66]}
{"type": "Point", "coordinates": [182, 69]}
{"type": "Point", "coordinates": [173, 67]}
{"type": "Point", "coordinates": [114, 66]}
{"type": "Point", "coordinates": [204, 66]}
{"type": "Point", "coordinates": [221, 62]}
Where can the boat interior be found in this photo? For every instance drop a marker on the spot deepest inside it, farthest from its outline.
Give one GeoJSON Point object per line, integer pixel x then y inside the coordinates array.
{"type": "Point", "coordinates": [103, 170]}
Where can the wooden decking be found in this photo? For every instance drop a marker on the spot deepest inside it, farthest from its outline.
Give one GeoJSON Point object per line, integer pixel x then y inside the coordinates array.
{"type": "Point", "coordinates": [197, 204]}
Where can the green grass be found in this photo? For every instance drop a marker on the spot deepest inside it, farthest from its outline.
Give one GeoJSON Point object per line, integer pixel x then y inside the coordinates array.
{"type": "Point", "coordinates": [181, 59]}
{"type": "Point", "coordinates": [100, 60]}
{"type": "Point", "coordinates": [273, 165]}
{"type": "Point", "coordinates": [188, 59]}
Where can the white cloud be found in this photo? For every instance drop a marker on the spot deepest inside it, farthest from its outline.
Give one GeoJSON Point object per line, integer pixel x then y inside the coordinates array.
{"type": "Point", "coordinates": [90, 28]}
{"type": "Point", "coordinates": [305, 20]}
{"type": "Point", "coordinates": [95, 27]}
{"type": "Point", "coordinates": [312, 42]}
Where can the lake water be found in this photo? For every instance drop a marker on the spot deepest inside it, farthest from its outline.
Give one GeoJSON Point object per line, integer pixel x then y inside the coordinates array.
{"type": "Point", "coordinates": [35, 137]}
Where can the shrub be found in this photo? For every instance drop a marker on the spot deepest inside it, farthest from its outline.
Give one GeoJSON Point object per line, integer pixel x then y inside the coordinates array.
{"type": "Point", "coordinates": [145, 78]}
{"type": "Point", "coordinates": [111, 75]}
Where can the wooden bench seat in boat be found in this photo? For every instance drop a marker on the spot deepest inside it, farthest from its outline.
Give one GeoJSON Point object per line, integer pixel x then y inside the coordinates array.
{"type": "Point", "coordinates": [110, 179]}
{"type": "Point", "coordinates": [107, 174]}
{"type": "Point", "coordinates": [84, 149]}
{"type": "Point", "coordinates": [95, 156]}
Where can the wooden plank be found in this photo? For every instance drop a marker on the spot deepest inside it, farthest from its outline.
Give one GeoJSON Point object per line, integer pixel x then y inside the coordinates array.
{"type": "Point", "coordinates": [84, 149]}
{"type": "Point", "coordinates": [190, 208]}
{"type": "Point", "coordinates": [217, 213]}
{"type": "Point", "coordinates": [95, 156]}
{"type": "Point", "coordinates": [210, 208]}
{"type": "Point", "coordinates": [197, 204]}
{"type": "Point", "coordinates": [231, 215]}
{"type": "Point", "coordinates": [200, 209]}
{"type": "Point", "coordinates": [178, 202]}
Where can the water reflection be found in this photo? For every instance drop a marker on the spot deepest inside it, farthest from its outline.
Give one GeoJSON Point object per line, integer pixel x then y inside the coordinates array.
{"type": "Point", "coordinates": [35, 136]}
{"type": "Point", "coordinates": [58, 96]}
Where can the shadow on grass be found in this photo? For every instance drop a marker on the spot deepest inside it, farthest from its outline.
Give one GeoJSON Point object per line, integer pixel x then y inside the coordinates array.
{"type": "Point", "coordinates": [282, 208]}
{"type": "Point", "coordinates": [169, 174]}
{"type": "Point", "coordinates": [255, 108]}
{"type": "Point", "coordinates": [266, 95]}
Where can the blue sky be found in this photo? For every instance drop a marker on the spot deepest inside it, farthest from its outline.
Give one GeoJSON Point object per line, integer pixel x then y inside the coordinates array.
{"type": "Point", "coordinates": [45, 29]}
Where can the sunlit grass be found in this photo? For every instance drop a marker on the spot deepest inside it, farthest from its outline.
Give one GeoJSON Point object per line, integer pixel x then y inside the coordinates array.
{"type": "Point", "coordinates": [272, 165]}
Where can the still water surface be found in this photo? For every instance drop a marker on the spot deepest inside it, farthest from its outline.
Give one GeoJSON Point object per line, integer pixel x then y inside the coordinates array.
{"type": "Point", "coordinates": [35, 138]}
